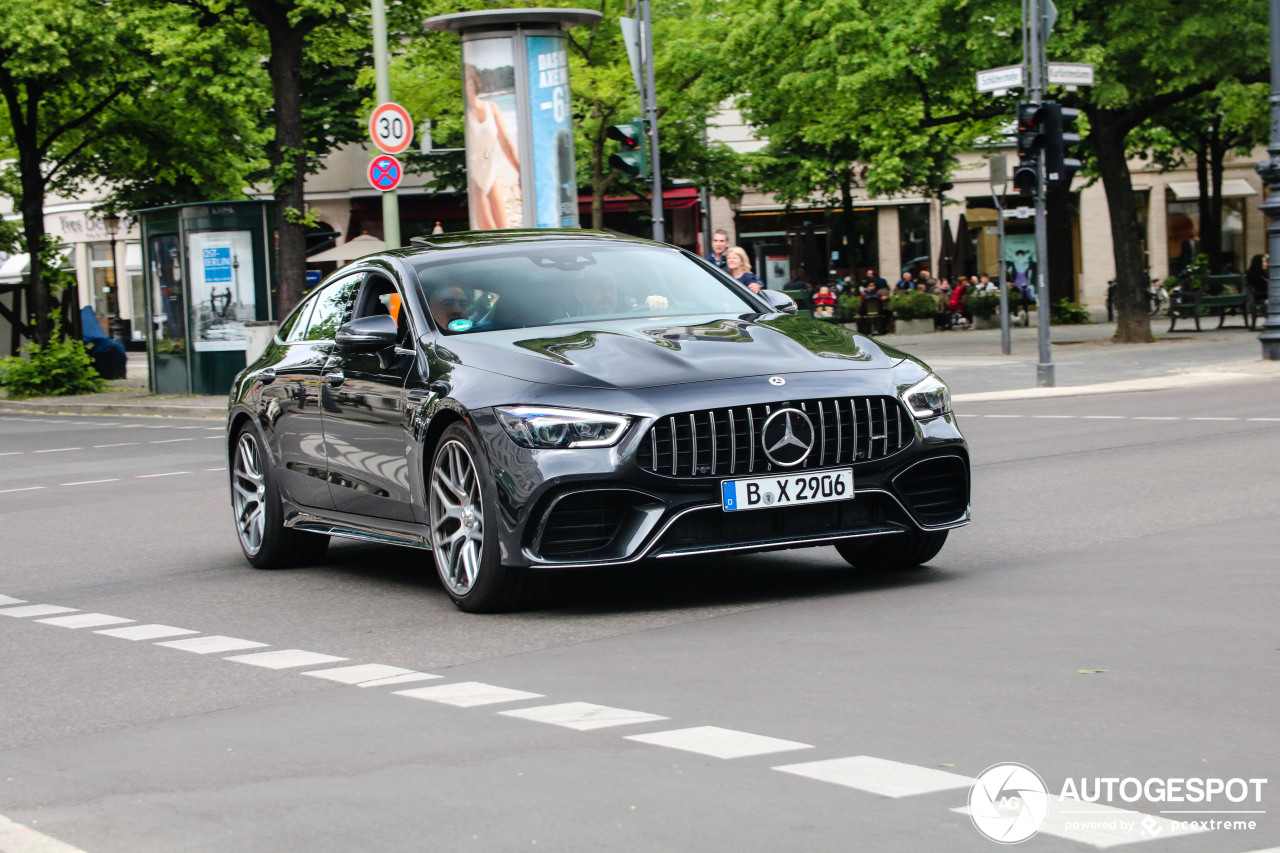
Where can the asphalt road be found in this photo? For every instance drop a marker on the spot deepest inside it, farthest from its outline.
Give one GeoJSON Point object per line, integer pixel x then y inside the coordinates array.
{"type": "Point", "coordinates": [1111, 612]}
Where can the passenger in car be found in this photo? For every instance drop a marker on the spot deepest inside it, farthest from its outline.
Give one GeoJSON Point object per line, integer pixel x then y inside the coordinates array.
{"type": "Point", "coordinates": [598, 295]}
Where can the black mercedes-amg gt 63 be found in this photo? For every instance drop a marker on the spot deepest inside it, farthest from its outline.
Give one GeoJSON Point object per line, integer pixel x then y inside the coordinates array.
{"type": "Point", "coordinates": [522, 401]}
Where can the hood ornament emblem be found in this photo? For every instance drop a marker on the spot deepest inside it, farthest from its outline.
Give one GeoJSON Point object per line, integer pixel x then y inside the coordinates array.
{"type": "Point", "coordinates": [777, 380]}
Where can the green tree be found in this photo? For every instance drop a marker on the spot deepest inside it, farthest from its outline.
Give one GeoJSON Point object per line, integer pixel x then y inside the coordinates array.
{"type": "Point", "coordinates": [88, 89]}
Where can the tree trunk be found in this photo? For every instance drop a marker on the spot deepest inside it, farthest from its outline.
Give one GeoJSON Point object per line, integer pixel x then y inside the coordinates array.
{"type": "Point", "coordinates": [846, 221]}
{"type": "Point", "coordinates": [1133, 325]}
{"type": "Point", "coordinates": [288, 160]}
{"type": "Point", "coordinates": [1203, 209]}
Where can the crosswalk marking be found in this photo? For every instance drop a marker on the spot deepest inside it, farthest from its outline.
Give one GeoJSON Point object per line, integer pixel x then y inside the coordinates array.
{"type": "Point", "coordinates": [16, 838]}
{"type": "Point", "coordinates": [468, 694]}
{"type": "Point", "coordinates": [879, 776]}
{"type": "Point", "coordinates": [36, 610]}
{"type": "Point", "coordinates": [285, 659]}
{"type": "Point", "coordinates": [582, 716]}
{"type": "Point", "coordinates": [85, 620]}
{"type": "Point", "coordinates": [399, 679]}
{"type": "Point", "coordinates": [362, 672]}
{"type": "Point", "coordinates": [146, 632]}
{"type": "Point", "coordinates": [5, 599]}
{"type": "Point", "coordinates": [212, 644]}
{"type": "Point", "coordinates": [718, 742]}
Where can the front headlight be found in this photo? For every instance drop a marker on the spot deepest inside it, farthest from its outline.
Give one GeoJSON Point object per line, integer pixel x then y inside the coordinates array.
{"type": "Point", "coordinates": [928, 398]}
{"type": "Point", "coordinates": [545, 428]}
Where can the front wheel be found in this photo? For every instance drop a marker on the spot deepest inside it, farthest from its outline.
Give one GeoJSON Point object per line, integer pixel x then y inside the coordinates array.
{"type": "Point", "coordinates": [464, 540]}
{"type": "Point", "coordinates": [892, 553]}
{"type": "Point", "coordinates": [255, 500]}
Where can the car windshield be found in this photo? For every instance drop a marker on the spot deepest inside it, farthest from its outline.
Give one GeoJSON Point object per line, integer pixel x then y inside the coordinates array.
{"type": "Point", "coordinates": [540, 284]}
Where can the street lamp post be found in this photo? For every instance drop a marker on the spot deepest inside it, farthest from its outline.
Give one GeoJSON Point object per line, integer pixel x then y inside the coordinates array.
{"type": "Point", "coordinates": [999, 179]}
{"type": "Point", "coordinates": [111, 224]}
{"type": "Point", "coordinates": [1270, 172]}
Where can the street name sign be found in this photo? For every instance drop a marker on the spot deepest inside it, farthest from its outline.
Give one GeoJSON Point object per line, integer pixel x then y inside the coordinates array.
{"type": "Point", "coordinates": [1000, 79]}
{"type": "Point", "coordinates": [385, 172]}
{"type": "Point", "coordinates": [1070, 74]}
{"type": "Point", "coordinates": [391, 128]}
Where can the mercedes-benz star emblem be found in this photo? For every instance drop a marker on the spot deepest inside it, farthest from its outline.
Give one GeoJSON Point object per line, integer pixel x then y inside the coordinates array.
{"type": "Point", "coordinates": [777, 380]}
{"type": "Point", "coordinates": [787, 436]}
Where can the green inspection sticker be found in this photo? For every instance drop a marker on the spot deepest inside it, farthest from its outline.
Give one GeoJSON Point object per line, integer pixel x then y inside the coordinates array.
{"type": "Point", "coordinates": [459, 325]}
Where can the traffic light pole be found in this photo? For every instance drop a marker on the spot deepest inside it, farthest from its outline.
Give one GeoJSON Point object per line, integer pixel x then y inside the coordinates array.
{"type": "Point", "coordinates": [1035, 59]}
{"type": "Point", "coordinates": [650, 106]}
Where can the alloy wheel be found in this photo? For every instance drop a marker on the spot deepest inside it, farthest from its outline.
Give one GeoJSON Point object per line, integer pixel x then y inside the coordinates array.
{"type": "Point", "coordinates": [457, 518]}
{"type": "Point", "coordinates": [248, 492]}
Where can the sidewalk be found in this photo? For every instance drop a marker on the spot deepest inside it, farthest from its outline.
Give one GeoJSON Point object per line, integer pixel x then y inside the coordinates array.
{"type": "Point", "coordinates": [1085, 362]}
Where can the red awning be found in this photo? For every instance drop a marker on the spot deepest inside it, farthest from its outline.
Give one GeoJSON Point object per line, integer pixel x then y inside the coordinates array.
{"type": "Point", "coordinates": [676, 198]}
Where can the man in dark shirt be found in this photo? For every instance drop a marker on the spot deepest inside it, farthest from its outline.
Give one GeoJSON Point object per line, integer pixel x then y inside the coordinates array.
{"type": "Point", "coordinates": [719, 245]}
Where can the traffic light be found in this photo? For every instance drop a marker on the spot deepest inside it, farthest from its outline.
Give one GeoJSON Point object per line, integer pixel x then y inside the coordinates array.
{"type": "Point", "coordinates": [1031, 138]}
{"type": "Point", "coordinates": [633, 159]}
{"type": "Point", "coordinates": [1060, 136]}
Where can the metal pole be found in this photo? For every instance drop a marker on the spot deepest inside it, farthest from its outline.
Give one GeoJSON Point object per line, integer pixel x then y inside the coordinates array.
{"type": "Point", "coordinates": [382, 86]}
{"type": "Point", "coordinates": [1270, 172]}
{"type": "Point", "coordinates": [1006, 343]}
{"type": "Point", "coordinates": [1044, 370]}
{"type": "Point", "coordinates": [651, 111]}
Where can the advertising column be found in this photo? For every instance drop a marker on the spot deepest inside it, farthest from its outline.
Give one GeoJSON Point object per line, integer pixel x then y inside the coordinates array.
{"type": "Point", "coordinates": [555, 174]}
{"type": "Point", "coordinates": [494, 193]}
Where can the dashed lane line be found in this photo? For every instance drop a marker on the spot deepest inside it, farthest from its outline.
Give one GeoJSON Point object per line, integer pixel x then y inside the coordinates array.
{"type": "Point", "coordinates": [366, 672]}
{"type": "Point", "coordinates": [6, 599]}
{"type": "Point", "coordinates": [718, 743]}
{"type": "Point", "coordinates": [285, 659]}
{"type": "Point", "coordinates": [879, 776]}
{"type": "Point", "coordinates": [213, 644]}
{"type": "Point", "coordinates": [16, 838]}
{"type": "Point", "coordinates": [23, 489]}
{"type": "Point", "coordinates": [86, 620]}
{"type": "Point", "coordinates": [30, 610]}
{"type": "Point", "coordinates": [57, 450]}
{"type": "Point", "coordinates": [93, 482]}
{"type": "Point", "coordinates": [582, 716]}
{"type": "Point", "coordinates": [146, 632]}
{"type": "Point", "coordinates": [468, 694]}
{"type": "Point", "coordinates": [166, 474]}
{"type": "Point", "coordinates": [121, 444]}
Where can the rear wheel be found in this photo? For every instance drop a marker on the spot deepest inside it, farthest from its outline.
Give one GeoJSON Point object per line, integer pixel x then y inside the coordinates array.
{"type": "Point", "coordinates": [464, 534]}
{"type": "Point", "coordinates": [892, 553]}
{"type": "Point", "coordinates": [255, 500]}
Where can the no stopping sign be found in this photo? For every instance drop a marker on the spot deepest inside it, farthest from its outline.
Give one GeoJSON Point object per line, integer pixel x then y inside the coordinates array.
{"type": "Point", "coordinates": [385, 172]}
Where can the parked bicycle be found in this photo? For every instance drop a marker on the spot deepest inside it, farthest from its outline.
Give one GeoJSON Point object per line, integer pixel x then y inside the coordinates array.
{"type": "Point", "coordinates": [1157, 298]}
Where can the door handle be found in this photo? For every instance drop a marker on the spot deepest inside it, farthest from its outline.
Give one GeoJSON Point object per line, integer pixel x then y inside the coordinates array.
{"type": "Point", "coordinates": [334, 378]}
{"type": "Point", "coordinates": [267, 376]}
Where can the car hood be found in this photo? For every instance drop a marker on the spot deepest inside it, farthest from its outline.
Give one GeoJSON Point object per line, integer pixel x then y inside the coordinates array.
{"type": "Point", "coordinates": [667, 351]}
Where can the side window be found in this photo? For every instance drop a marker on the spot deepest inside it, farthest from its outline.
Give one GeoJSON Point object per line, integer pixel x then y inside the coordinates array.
{"type": "Point", "coordinates": [292, 329]}
{"type": "Point", "coordinates": [333, 308]}
{"type": "Point", "coordinates": [381, 297]}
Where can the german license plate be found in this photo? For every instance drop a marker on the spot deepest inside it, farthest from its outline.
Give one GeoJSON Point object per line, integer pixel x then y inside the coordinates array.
{"type": "Point", "coordinates": [786, 490]}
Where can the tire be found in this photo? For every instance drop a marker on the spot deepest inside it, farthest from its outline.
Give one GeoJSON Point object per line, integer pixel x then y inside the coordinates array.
{"type": "Point", "coordinates": [463, 519]}
{"type": "Point", "coordinates": [259, 515]}
{"type": "Point", "coordinates": [893, 553]}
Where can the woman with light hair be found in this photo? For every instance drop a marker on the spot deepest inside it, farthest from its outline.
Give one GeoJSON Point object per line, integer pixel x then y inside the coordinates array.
{"type": "Point", "coordinates": [740, 268]}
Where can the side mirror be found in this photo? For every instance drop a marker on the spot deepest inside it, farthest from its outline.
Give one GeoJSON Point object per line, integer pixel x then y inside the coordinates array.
{"type": "Point", "coordinates": [368, 334]}
{"type": "Point", "coordinates": [779, 301]}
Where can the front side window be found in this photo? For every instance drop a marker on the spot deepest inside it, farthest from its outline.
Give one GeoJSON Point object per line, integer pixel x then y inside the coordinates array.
{"type": "Point", "coordinates": [334, 304]}
{"type": "Point", "coordinates": [540, 284]}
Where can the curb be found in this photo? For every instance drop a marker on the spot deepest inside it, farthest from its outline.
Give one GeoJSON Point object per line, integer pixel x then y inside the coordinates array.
{"type": "Point", "coordinates": [149, 409]}
{"type": "Point", "coordinates": [1154, 383]}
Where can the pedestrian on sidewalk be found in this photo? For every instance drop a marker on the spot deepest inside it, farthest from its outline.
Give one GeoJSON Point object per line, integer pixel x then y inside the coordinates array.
{"type": "Point", "coordinates": [740, 268]}
{"type": "Point", "coordinates": [719, 245]}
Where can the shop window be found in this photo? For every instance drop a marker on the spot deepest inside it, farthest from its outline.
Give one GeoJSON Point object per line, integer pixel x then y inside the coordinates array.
{"type": "Point", "coordinates": [1185, 238]}
{"type": "Point", "coordinates": [102, 282]}
{"type": "Point", "coordinates": [913, 238]}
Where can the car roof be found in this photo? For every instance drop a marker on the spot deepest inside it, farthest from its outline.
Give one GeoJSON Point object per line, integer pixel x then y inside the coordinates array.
{"type": "Point", "coordinates": [479, 239]}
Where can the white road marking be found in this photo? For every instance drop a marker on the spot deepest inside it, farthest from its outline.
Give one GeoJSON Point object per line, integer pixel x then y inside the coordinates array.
{"type": "Point", "coordinates": [582, 716]}
{"type": "Point", "coordinates": [36, 610]}
{"type": "Point", "coordinates": [468, 694]}
{"type": "Point", "coordinates": [718, 742]}
{"type": "Point", "coordinates": [1103, 418]}
{"type": "Point", "coordinates": [285, 659]}
{"type": "Point", "coordinates": [170, 440]}
{"type": "Point", "coordinates": [1271, 420]}
{"type": "Point", "coordinates": [168, 474]}
{"type": "Point", "coordinates": [400, 679]}
{"type": "Point", "coordinates": [361, 673]}
{"type": "Point", "coordinates": [5, 599]}
{"type": "Point", "coordinates": [24, 489]}
{"type": "Point", "coordinates": [92, 482]}
{"type": "Point", "coordinates": [1053, 417]}
{"type": "Point", "coordinates": [879, 776]}
{"type": "Point", "coordinates": [1153, 418]}
{"type": "Point", "coordinates": [85, 620]}
{"type": "Point", "coordinates": [57, 449]}
{"type": "Point", "coordinates": [213, 436]}
{"type": "Point", "coordinates": [1100, 826]}
{"type": "Point", "coordinates": [213, 644]}
{"type": "Point", "coordinates": [215, 469]}
{"type": "Point", "coordinates": [16, 838]}
{"type": "Point", "coordinates": [122, 444]}
{"type": "Point", "coordinates": [12, 453]}
{"type": "Point", "coordinates": [146, 632]}
{"type": "Point", "coordinates": [1213, 419]}
{"type": "Point", "coordinates": [1001, 416]}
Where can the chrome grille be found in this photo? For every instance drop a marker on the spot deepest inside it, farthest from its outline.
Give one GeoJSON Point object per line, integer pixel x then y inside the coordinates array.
{"type": "Point", "coordinates": [726, 442]}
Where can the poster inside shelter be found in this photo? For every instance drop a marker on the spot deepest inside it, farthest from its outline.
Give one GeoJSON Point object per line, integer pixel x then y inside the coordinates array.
{"type": "Point", "coordinates": [494, 195]}
{"type": "Point", "coordinates": [222, 288]}
{"type": "Point", "coordinates": [555, 178]}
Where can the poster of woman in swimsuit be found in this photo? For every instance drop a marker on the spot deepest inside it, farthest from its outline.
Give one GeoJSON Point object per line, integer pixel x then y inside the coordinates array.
{"type": "Point", "coordinates": [492, 130]}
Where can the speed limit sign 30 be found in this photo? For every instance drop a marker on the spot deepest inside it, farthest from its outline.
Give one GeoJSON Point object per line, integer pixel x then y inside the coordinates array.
{"type": "Point", "coordinates": [391, 128]}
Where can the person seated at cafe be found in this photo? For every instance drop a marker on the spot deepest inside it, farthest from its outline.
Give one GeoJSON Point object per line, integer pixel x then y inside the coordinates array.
{"type": "Point", "coordinates": [824, 302]}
